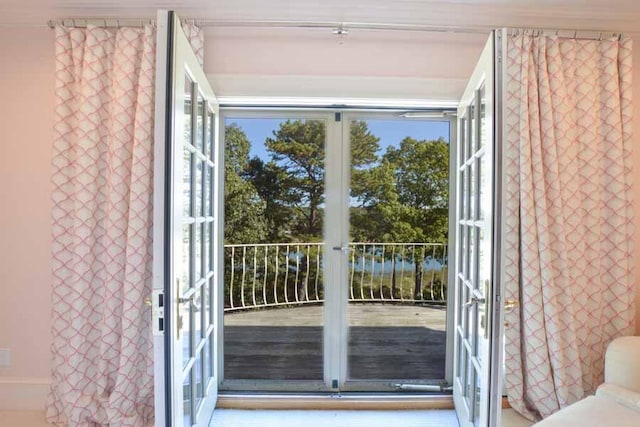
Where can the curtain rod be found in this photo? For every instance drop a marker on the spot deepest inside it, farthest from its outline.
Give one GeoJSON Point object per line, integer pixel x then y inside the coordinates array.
{"type": "Point", "coordinates": [342, 28]}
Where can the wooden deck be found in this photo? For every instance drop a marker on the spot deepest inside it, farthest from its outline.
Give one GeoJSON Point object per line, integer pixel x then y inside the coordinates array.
{"type": "Point", "coordinates": [385, 342]}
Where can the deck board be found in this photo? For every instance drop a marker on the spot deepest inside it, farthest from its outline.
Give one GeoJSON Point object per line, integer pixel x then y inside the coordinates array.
{"type": "Point", "coordinates": [385, 342]}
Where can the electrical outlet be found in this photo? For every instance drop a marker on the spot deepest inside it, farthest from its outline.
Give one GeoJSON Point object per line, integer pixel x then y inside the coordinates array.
{"type": "Point", "coordinates": [5, 357]}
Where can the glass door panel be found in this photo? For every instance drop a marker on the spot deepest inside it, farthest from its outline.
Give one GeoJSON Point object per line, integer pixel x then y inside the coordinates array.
{"type": "Point", "coordinates": [274, 251]}
{"type": "Point", "coordinates": [474, 224]}
{"type": "Point", "coordinates": [397, 259]}
{"type": "Point", "coordinates": [185, 260]}
{"type": "Point", "coordinates": [196, 328]}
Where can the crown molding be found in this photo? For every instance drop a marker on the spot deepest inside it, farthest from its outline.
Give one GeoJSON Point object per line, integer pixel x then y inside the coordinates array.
{"type": "Point", "coordinates": [614, 15]}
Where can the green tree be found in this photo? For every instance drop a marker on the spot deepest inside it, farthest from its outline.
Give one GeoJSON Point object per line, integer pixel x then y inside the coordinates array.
{"type": "Point", "coordinates": [271, 183]}
{"type": "Point", "coordinates": [292, 182]}
{"type": "Point", "coordinates": [421, 176]}
{"type": "Point", "coordinates": [405, 199]}
{"type": "Point", "coordinates": [244, 219]}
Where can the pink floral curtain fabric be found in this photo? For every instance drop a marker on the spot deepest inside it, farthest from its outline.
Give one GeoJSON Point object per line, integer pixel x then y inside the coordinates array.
{"type": "Point", "coordinates": [102, 225]}
{"type": "Point", "coordinates": [102, 212]}
{"type": "Point", "coordinates": [568, 225]}
{"type": "Point", "coordinates": [195, 35]}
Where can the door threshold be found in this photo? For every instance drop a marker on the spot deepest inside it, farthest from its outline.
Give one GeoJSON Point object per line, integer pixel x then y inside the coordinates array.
{"type": "Point", "coordinates": [335, 401]}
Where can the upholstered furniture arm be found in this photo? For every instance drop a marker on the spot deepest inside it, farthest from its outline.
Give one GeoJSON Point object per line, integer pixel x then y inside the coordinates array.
{"type": "Point", "coordinates": [622, 363]}
{"type": "Point", "coordinates": [624, 396]}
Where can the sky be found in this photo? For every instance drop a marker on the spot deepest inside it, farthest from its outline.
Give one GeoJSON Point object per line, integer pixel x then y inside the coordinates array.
{"type": "Point", "coordinates": [390, 132]}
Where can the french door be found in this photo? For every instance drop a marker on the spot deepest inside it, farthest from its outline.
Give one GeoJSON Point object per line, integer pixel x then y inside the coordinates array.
{"type": "Point", "coordinates": [476, 221]}
{"type": "Point", "coordinates": [186, 233]}
{"type": "Point", "coordinates": [343, 297]}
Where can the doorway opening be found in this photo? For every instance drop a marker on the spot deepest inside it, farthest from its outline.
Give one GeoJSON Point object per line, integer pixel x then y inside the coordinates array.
{"type": "Point", "coordinates": [336, 251]}
{"type": "Point", "coordinates": [351, 230]}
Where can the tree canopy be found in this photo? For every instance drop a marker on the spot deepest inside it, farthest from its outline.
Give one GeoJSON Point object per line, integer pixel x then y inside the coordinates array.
{"type": "Point", "coordinates": [244, 208]}
{"type": "Point", "coordinates": [398, 196]}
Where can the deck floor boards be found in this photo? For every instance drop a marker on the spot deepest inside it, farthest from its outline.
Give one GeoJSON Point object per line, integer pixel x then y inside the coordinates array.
{"type": "Point", "coordinates": [386, 341]}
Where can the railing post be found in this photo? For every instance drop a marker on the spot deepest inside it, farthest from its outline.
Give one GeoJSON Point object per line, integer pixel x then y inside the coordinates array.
{"type": "Point", "coordinates": [244, 273]}
{"type": "Point", "coordinates": [394, 289]}
{"type": "Point", "coordinates": [233, 270]}
{"type": "Point", "coordinates": [275, 278]}
{"type": "Point", "coordinates": [417, 261]}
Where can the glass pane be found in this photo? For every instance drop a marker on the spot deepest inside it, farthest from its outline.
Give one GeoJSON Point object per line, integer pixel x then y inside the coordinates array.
{"type": "Point", "coordinates": [462, 237]}
{"type": "Point", "coordinates": [397, 230]}
{"type": "Point", "coordinates": [480, 182]}
{"type": "Point", "coordinates": [186, 182]}
{"type": "Point", "coordinates": [212, 265]}
{"type": "Point", "coordinates": [197, 369]}
{"type": "Point", "coordinates": [471, 136]}
{"type": "Point", "coordinates": [200, 124]}
{"type": "Point", "coordinates": [212, 193]}
{"type": "Point", "coordinates": [274, 214]}
{"type": "Point", "coordinates": [477, 400]}
{"type": "Point", "coordinates": [207, 249]}
{"type": "Point", "coordinates": [208, 134]}
{"type": "Point", "coordinates": [210, 301]}
{"type": "Point", "coordinates": [198, 251]}
{"type": "Point", "coordinates": [210, 150]}
{"type": "Point", "coordinates": [471, 192]}
{"type": "Point", "coordinates": [186, 392]}
{"type": "Point", "coordinates": [463, 194]}
{"type": "Point", "coordinates": [184, 324]}
{"type": "Point", "coordinates": [470, 257]}
{"type": "Point", "coordinates": [205, 306]}
{"type": "Point", "coordinates": [188, 96]}
{"type": "Point", "coordinates": [483, 119]}
{"type": "Point", "coordinates": [198, 187]}
{"type": "Point", "coordinates": [462, 144]}
{"type": "Point", "coordinates": [197, 314]}
{"type": "Point", "coordinates": [185, 284]}
{"type": "Point", "coordinates": [468, 387]}
{"type": "Point", "coordinates": [462, 359]}
{"type": "Point", "coordinates": [475, 259]}
{"type": "Point", "coordinates": [208, 187]}
{"type": "Point", "coordinates": [207, 362]}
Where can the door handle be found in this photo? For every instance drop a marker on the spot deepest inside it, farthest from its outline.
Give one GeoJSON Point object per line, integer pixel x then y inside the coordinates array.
{"type": "Point", "coordinates": [344, 248]}
{"type": "Point", "coordinates": [187, 298]}
{"type": "Point", "coordinates": [474, 301]}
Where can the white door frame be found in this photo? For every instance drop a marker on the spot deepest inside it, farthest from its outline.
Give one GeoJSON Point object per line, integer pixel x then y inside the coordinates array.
{"type": "Point", "coordinates": [478, 288]}
{"type": "Point", "coordinates": [174, 58]}
{"type": "Point", "coordinates": [335, 307]}
{"type": "Point", "coordinates": [346, 153]}
{"type": "Point", "coordinates": [496, 374]}
{"type": "Point", "coordinates": [333, 364]}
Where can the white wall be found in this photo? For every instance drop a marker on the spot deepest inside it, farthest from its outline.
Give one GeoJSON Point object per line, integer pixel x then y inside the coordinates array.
{"type": "Point", "coordinates": [26, 120]}
{"type": "Point", "coordinates": [362, 64]}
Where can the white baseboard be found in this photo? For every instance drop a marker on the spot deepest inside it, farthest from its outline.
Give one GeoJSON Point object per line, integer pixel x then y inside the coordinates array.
{"type": "Point", "coordinates": [23, 393]}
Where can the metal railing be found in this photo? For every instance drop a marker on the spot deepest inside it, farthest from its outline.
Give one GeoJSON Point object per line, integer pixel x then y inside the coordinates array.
{"type": "Point", "coordinates": [289, 274]}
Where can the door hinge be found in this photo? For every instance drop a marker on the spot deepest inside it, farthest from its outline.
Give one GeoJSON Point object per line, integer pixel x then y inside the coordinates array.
{"type": "Point", "coordinates": [157, 311]}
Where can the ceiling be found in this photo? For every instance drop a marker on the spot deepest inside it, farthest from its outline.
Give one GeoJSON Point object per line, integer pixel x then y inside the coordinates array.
{"type": "Point", "coordinates": [607, 15]}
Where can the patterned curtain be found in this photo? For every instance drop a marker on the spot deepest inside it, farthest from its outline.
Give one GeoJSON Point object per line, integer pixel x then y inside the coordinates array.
{"type": "Point", "coordinates": [569, 234]}
{"type": "Point", "coordinates": [102, 226]}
